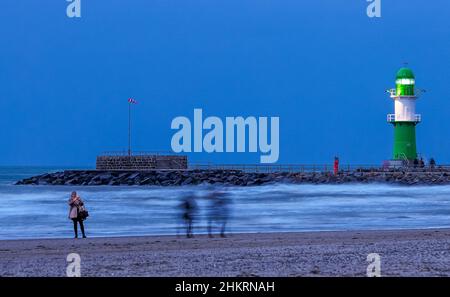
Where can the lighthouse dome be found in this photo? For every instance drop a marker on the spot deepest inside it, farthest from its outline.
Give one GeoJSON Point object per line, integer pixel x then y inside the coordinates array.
{"type": "Point", "coordinates": [405, 73]}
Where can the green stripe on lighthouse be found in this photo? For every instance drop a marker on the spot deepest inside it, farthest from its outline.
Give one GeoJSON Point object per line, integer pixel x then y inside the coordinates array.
{"type": "Point", "coordinates": [405, 141]}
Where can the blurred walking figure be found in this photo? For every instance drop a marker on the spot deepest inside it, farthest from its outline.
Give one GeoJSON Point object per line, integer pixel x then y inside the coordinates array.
{"type": "Point", "coordinates": [188, 207]}
{"type": "Point", "coordinates": [77, 213]}
{"type": "Point", "coordinates": [218, 211]}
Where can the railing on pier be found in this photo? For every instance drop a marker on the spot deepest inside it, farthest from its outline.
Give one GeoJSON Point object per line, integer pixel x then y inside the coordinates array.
{"type": "Point", "coordinates": [292, 168]}
{"type": "Point", "coordinates": [311, 168]}
{"type": "Point", "coordinates": [136, 153]}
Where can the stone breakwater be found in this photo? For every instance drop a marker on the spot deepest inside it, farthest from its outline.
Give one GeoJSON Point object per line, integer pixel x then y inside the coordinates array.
{"type": "Point", "coordinates": [231, 177]}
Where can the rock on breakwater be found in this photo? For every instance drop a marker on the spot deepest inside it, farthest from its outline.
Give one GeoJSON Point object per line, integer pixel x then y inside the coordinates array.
{"type": "Point", "coordinates": [231, 177]}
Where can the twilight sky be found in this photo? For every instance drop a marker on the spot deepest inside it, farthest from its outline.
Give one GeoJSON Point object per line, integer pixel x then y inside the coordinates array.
{"type": "Point", "coordinates": [322, 66]}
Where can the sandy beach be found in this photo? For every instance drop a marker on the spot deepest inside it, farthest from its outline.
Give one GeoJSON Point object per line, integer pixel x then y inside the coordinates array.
{"type": "Point", "coordinates": [403, 253]}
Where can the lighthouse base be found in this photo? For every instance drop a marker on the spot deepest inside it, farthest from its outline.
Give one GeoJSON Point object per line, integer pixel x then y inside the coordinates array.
{"type": "Point", "coordinates": [405, 141]}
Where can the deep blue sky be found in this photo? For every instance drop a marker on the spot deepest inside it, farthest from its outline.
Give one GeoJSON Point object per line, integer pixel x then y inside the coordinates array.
{"type": "Point", "coordinates": [322, 66]}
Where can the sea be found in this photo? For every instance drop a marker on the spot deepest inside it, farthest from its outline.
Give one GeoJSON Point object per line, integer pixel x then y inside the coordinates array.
{"type": "Point", "coordinates": [42, 211]}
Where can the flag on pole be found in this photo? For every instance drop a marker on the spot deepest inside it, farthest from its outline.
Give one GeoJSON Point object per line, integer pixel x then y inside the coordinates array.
{"type": "Point", "coordinates": [130, 102]}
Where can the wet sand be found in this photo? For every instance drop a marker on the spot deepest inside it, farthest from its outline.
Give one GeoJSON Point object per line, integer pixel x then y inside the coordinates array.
{"type": "Point", "coordinates": [403, 253]}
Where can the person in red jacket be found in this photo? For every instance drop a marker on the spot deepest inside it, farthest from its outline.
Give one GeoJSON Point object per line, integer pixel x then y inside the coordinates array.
{"type": "Point", "coordinates": [336, 165]}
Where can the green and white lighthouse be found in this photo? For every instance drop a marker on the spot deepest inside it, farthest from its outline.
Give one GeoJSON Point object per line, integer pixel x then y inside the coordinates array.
{"type": "Point", "coordinates": [405, 118]}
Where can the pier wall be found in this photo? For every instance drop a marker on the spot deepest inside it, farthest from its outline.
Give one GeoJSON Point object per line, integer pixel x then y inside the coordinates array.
{"type": "Point", "coordinates": [144, 162]}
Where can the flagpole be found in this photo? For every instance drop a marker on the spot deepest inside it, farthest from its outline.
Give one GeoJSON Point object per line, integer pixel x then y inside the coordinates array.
{"type": "Point", "coordinates": [129, 129]}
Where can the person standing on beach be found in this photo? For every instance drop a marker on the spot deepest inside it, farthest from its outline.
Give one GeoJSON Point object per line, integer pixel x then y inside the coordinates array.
{"type": "Point", "coordinates": [77, 213]}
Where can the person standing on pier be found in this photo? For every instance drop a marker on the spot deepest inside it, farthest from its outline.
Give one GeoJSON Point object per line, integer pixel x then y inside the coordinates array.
{"type": "Point", "coordinates": [421, 163]}
{"type": "Point", "coordinates": [77, 213]}
{"type": "Point", "coordinates": [432, 163]}
{"type": "Point", "coordinates": [336, 165]}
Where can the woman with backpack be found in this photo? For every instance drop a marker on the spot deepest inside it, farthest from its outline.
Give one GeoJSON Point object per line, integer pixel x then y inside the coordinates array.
{"type": "Point", "coordinates": [77, 213]}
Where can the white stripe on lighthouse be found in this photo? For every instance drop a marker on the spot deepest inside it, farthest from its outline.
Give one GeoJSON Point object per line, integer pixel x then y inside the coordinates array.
{"type": "Point", "coordinates": [405, 109]}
